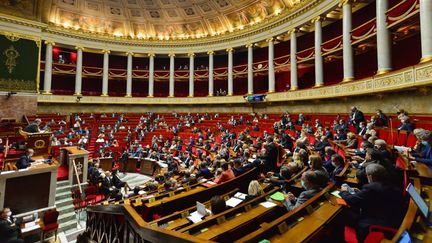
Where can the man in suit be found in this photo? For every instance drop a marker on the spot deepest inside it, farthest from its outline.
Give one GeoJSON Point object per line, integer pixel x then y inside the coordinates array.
{"type": "Point", "coordinates": [271, 155]}
{"type": "Point", "coordinates": [379, 202]}
{"type": "Point", "coordinates": [33, 127]}
{"type": "Point", "coordinates": [9, 232]}
{"type": "Point", "coordinates": [310, 184]}
{"type": "Point", "coordinates": [356, 117]}
{"type": "Point", "coordinates": [25, 160]}
{"type": "Point", "coordinates": [107, 187]}
{"type": "Point", "coordinates": [338, 164]}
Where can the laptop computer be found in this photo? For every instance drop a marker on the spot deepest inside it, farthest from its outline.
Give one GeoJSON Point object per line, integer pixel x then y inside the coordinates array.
{"type": "Point", "coordinates": [421, 204]}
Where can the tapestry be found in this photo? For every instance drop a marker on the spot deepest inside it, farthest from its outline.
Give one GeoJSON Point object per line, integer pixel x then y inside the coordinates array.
{"type": "Point", "coordinates": [19, 60]}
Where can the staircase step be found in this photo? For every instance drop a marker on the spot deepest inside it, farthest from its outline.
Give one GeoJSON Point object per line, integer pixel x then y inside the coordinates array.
{"type": "Point", "coordinates": [68, 225]}
{"type": "Point", "coordinates": [64, 202]}
{"type": "Point", "coordinates": [63, 189]}
{"type": "Point", "coordinates": [66, 217]}
{"type": "Point", "coordinates": [62, 183]}
{"type": "Point", "coordinates": [66, 209]}
{"type": "Point", "coordinates": [63, 195]}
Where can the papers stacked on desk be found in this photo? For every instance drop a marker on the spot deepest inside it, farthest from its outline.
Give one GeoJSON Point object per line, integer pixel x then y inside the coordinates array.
{"type": "Point", "coordinates": [30, 226]}
{"type": "Point", "coordinates": [236, 199]}
{"type": "Point", "coordinates": [201, 212]}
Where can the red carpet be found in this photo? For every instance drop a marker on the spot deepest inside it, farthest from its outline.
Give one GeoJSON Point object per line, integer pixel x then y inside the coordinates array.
{"type": "Point", "coordinates": [62, 173]}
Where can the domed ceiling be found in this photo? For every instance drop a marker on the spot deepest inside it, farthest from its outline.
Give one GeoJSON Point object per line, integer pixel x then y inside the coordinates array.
{"type": "Point", "coordinates": [154, 19]}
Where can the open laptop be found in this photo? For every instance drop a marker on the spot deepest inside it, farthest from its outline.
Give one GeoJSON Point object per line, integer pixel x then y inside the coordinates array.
{"type": "Point", "coordinates": [421, 204]}
{"type": "Point", "coordinates": [200, 213]}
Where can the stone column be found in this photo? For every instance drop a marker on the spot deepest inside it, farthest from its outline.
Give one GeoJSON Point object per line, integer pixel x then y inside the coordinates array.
{"type": "Point", "coordinates": [129, 75]}
{"type": "Point", "coordinates": [171, 75]}
{"type": "Point", "coordinates": [230, 71]}
{"type": "Point", "coordinates": [151, 74]}
{"type": "Point", "coordinates": [105, 74]}
{"type": "Point", "coordinates": [191, 74]}
{"type": "Point", "coordinates": [78, 72]}
{"type": "Point", "coordinates": [250, 69]}
{"type": "Point", "coordinates": [348, 56]}
{"type": "Point", "coordinates": [293, 59]}
{"type": "Point", "coordinates": [271, 70]}
{"type": "Point", "coordinates": [426, 29]}
{"type": "Point", "coordinates": [210, 74]}
{"type": "Point", "coordinates": [48, 67]}
{"type": "Point", "coordinates": [383, 38]}
{"type": "Point", "coordinates": [319, 69]}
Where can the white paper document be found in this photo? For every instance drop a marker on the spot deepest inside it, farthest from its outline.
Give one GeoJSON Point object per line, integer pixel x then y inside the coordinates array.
{"type": "Point", "coordinates": [267, 204]}
{"type": "Point", "coordinates": [233, 202]}
{"type": "Point", "coordinates": [240, 195]}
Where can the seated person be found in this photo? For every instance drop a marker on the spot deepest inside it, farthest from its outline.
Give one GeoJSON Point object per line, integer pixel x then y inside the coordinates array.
{"type": "Point", "coordinates": [34, 126]}
{"type": "Point", "coordinates": [217, 205]}
{"type": "Point", "coordinates": [254, 190]}
{"type": "Point", "coordinates": [9, 231]}
{"type": "Point", "coordinates": [118, 183]}
{"type": "Point", "coordinates": [204, 171]}
{"type": "Point", "coordinates": [338, 163]}
{"type": "Point", "coordinates": [380, 202]}
{"type": "Point", "coordinates": [107, 187]}
{"type": "Point", "coordinates": [316, 164]}
{"type": "Point", "coordinates": [310, 184]}
{"type": "Point", "coordinates": [286, 172]}
{"type": "Point", "coordinates": [426, 157]}
{"type": "Point", "coordinates": [226, 174]}
{"type": "Point", "coordinates": [25, 160]}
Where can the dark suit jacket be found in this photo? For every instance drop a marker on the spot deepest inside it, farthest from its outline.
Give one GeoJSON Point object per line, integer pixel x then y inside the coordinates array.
{"type": "Point", "coordinates": [271, 156]}
{"type": "Point", "coordinates": [302, 198]}
{"type": "Point", "coordinates": [23, 162]}
{"type": "Point", "coordinates": [32, 127]}
{"type": "Point", "coordinates": [106, 186]}
{"type": "Point", "coordinates": [380, 203]}
{"type": "Point", "coordinates": [117, 182]}
{"type": "Point", "coordinates": [9, 233]}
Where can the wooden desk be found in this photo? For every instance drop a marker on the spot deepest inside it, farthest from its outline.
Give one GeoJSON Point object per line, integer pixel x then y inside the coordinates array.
{"type": "Point", "coordinates": [147, 166]}
{"type": "Point", "coordinates": [218, 229]}
{"type": "Point", "coordinates": [175, 197]}
{"type": "Point", "coordinates": [106, 163]}
{"type": "Point", "coordinates": [36, 184]}
{"type": "Point", "coordinates": [310, 224]}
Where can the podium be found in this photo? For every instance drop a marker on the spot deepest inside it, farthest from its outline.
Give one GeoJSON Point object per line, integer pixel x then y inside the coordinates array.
{"type": "Point", "coordinates": [80, 156]}
{"type": "Point", "coordinates": [39, 142]}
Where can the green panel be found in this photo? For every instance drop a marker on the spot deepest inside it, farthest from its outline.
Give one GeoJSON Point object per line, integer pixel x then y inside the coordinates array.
{"type": "Point", "coordinates": [19, 60]}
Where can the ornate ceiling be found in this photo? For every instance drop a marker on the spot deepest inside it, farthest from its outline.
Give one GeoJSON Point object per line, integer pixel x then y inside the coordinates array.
{"type": "Point", "coordinates": [152, 19]}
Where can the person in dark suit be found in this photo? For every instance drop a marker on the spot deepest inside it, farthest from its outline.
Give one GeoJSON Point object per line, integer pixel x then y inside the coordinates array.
{"type": "Point", "coordinates": [118, 183]}
{"type": "Point", "coordinates": [33, 127]}
{"type": "Point", "coordinates": [9, 231]}
{"type": "Point", "coordinates": [338, 163]}
{"type": "Point", "coordinates": [107, 187]}
{"type": "Point", "coordinates": [311, 187]}
{"type": "Point", "coordinates": [356, 117]}
{"type": "Point", "coordinates": [271, 155]}
{"type": "Point", "coordinates": [25, 160]}
{"type": "Point", "coordinates": [379, 202]}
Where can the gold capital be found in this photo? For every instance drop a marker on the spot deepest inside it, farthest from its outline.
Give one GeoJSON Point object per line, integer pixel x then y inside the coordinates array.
{"type": "Point", "coordinates": [47, 42]}
{"type": "Point", "coordinates": [106, 51]}
{"type": "Point", "coordinates": [171, 54]}
{"type": "Point", "coordinates": [79, 48]}
{"type": "Point", "coordinates": [343, 2]}
{"type": "Point", "coordinates": [191, 54]}
{"type": "Point", "coordinates": [249, 45]}
{"type": "Point", "coordinates": [229, 49]}
{"type": "Point", "coordinates": [129, 53]}
{"type": "Point", "coordinates": [210, 52]}
{"type": "Point", "coordinates": [295, 30]}
{"type": "Point", "coordinates": [318, 18]}
{"type": "Point", "coordinates": [151, 54]}
{"type": "Point", "coordinates": [271, 39]}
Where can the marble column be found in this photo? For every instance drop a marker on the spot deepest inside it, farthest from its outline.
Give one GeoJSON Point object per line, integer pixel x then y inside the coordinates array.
{"type": "Point", "coordinates": [250, 69]}
{"type": "Point", "coordinates": [293, 59]}
{"type": "Point", "coordinates": [210, 74]}
{"type": "Point", "coordinates": [78, 72]}
{"type": "Point", "coordinates": [230, 71]}
{"type": "Point", "coordinates": [319, 69]}
{"type": "Point", "coordinates": [151, 75]}
{"type": "Point", "coordinates": [191, 74]}
{"type": "Point", "coordinates": [48, 67]}
{"type": "Point", "coordinates": [129, 74]}
{"type": "Point", "coordinates": [383, 38]}
{"type": "Point", "coordinates": [426, 29]}
{"type": "Point", "coordinates": [171, 75]}
{"type": "Point", "coordinates": [271, 70]}
{"type": "Point", "coordinates": [348, 56]}
{"type": "Point", "coordinates": [105, 74]}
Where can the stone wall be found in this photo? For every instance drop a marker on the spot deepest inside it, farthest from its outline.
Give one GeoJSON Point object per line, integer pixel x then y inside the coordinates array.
{"type": "Point", "coordinates": [415, 101]}
{"type": "Point", "coordinates": [17, 105]}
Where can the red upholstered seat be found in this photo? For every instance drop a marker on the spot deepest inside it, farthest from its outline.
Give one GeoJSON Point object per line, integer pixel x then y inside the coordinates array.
{"type": "Point", "coordinates": [50, 223]}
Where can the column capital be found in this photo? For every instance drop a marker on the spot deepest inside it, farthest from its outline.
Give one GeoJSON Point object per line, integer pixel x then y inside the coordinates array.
{"type": "Point", "coordinates": [47, 42]}
{"type": "Point", "coordinates": [271, 39]}
{"type": "Point", "coordinates": [343, 2]}
{"type": "Point", "coordinates": [106, 51]}
{"type": "Point", "coordinates": [210, 52]}
{"type": "Point", "coordinates": [151, 54]}
{"type": "Point", "coordinates": [79, 48]}
{"type": "Point", "coordinates": [318, 18]}
{"type": "Point", "coordinates": [171, 54]}
{"type": "Point", "coordinates": [191, 54]}
{"type": "Point", "coordinates": [294, 30]}
{"type": "Point", "coordinates": [129, 53]}
{"type": "Point", "coordinates": [229, 49]}
{"type": "Point", "coordinates": [249, 45]}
